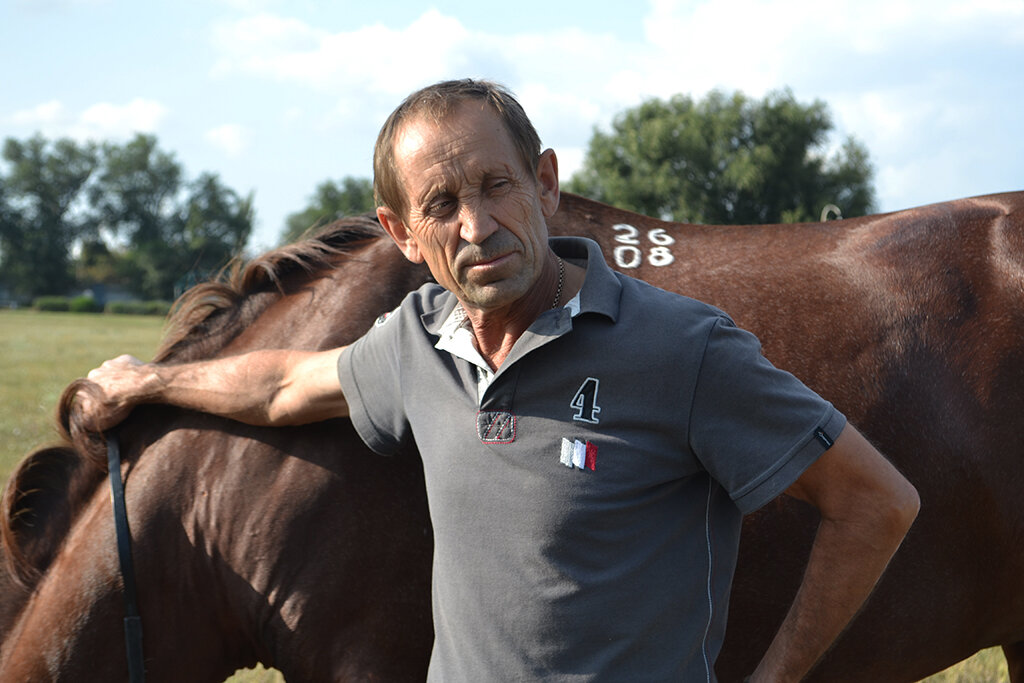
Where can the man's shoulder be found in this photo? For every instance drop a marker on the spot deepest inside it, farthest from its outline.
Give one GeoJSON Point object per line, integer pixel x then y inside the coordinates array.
{"type": "Point", "coordinates": [423, 304]}
{"type": "Point", "coordinates": [651, 300]}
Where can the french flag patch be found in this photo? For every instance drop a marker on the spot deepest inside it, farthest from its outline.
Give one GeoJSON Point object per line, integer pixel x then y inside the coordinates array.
{"type": "Point", "coordinates": [579, 454]}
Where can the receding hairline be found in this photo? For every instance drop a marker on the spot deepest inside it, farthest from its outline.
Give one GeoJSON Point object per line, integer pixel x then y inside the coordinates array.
{"type": "Point", "coordinates": [435, 104]}
{"type": "Point", "coordinates": [515, 163]}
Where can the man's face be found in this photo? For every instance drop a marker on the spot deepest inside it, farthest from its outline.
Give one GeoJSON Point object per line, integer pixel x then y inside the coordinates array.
{"type": "Point", "coordinates": [476, 215]}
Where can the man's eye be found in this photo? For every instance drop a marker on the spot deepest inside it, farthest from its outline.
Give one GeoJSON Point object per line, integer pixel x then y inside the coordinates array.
{"type": "Point", "coordinates": [440, 207]}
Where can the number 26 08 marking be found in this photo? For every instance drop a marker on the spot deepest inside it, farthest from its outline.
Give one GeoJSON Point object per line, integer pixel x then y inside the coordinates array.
{"type": "Point", "coordinates": [628, 252]}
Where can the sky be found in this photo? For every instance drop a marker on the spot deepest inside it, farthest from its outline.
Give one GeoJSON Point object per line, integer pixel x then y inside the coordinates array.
{"type": "Point", "coordinates": [275, 97]}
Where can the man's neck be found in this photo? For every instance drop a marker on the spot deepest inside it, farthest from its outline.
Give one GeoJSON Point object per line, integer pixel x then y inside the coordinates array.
{"type": "Point", "coordinates": [495, 332]}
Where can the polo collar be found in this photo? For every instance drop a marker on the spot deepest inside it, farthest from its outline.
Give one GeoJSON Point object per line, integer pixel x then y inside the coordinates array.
{"type": "Point", "coordinates": [601, 289]}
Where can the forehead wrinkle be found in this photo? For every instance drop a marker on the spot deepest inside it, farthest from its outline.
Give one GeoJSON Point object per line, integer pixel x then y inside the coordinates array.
{"type": "Point", "coordinates": [450, 160]}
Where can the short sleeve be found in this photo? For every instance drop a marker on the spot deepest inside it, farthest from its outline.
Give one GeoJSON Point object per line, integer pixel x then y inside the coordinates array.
{"type": "Point", "coordinates": [755, 428]}
{"type": "Point", "coordinates": [370, 379]}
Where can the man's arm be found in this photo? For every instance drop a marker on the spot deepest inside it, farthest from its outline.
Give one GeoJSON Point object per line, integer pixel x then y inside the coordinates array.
{"type": "Point", "coordinates": [272, 388]}
{"type": "Point", "coordinates": [866, 508]}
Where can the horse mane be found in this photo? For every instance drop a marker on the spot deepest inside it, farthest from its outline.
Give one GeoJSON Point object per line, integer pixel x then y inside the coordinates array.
{"type": "Point", "coordinates": [211, 314]}
{"type": "Point", "coordinates": [48, 488]}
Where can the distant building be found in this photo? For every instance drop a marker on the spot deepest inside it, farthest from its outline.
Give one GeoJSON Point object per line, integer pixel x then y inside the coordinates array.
{"type": "Point", "coordinates": [104, 294]}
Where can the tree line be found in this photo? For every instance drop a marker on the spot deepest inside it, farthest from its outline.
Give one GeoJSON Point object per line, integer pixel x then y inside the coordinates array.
{"type": "Point", "coordinates": [81, 214]}
{"type": "Point", "coordinates": [78, 214]}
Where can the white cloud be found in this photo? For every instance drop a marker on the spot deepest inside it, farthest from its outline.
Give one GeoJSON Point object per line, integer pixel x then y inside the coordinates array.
{"type": "Point", "coordinates": [111, 120]}
{"type": "Point", "coordinates": [393, 61]}
{"type": "Point", "coordinates": [230, 138]}
{"type": "Point", "coordinates": [755, 46]}
{"type": "Point", "coordinates": [40, 116]}
{"type": "Point", "coordinates": [99, 121]}
{"type": "Point", "coordinates": [291, 50]}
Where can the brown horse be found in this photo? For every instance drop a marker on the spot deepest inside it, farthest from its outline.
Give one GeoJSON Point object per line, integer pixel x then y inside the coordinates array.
{"type": "Point", "coordinates": [300, 549]}
{"type": "Point", "coordinates": [295, 548]}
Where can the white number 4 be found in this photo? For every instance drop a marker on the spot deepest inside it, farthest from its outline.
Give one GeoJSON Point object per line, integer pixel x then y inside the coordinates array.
{"type": "Point", "coordinates": [585, 402]}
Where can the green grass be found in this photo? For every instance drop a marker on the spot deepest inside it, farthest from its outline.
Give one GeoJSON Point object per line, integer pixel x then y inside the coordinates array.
{"type": "Point", "coordinates": [257, 675]}
{"type": "Point", "coordinates": [988, 666]}
{"type": "Point", "coordinates": [40, 353]}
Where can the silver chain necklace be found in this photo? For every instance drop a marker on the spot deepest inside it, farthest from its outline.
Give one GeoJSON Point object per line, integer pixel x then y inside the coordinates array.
{"type": "Point", "coordinates": [561, 281]}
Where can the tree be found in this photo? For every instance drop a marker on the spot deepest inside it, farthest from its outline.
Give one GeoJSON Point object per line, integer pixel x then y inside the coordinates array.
{"type": "Point", "coordinates": [125, 210]}
{"type": "Point", "coordinates": [136, 193]}
{"type": "Point", "coordinates": [726, 160]}
{"type": "Point", "coordinates": [330, 202]}
{"type": "Point", "coordinates": [40, 218]}
{"type": "Point", "coordinates": [217, 224]}
{"type": "Point", "coordinates": [176, 233]}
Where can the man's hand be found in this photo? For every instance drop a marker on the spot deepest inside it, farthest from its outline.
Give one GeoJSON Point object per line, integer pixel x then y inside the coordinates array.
{"type": "Point", "coordinates": [116, 388]}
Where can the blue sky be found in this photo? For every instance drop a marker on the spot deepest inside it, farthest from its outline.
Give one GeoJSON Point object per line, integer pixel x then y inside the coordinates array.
{"type": "Point", "coordinates": [278, 96]}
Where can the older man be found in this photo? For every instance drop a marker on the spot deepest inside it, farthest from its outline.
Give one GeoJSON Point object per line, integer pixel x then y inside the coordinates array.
{"type": "Point", "coordinates": [589, 442]}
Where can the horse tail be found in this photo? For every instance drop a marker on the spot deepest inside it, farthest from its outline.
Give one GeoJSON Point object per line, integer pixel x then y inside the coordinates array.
{"type": "Point", "coordinates": [46, 491]}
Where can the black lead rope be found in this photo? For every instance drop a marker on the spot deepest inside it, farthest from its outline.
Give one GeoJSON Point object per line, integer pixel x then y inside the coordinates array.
{"type": "Point", "coordinates": [132, 622]}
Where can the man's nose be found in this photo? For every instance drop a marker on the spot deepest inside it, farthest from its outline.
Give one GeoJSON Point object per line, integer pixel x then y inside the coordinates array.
{"type": "Point", "coordinates": [476, 223]}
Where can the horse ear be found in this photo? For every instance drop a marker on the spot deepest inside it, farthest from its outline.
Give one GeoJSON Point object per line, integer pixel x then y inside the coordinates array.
{"type": "Point", "coordinates": [395, 227]}
{"type": "Point", "coordinates": [547, 177]}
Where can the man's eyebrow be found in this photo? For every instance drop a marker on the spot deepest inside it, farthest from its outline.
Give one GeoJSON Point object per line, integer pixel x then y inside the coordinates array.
{"type": "Point", "coordinates": [432, 192]}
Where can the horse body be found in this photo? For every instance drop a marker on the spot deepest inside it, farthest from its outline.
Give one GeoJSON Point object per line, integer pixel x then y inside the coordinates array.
{"type": "Point", "coordinates": [910, 323]}
{"type": "Point", "coordinates": [299, 548]}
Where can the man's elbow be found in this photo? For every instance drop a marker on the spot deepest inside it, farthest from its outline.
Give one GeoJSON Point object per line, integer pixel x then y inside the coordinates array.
{"type": "Point", "coordinates": [899, 509]}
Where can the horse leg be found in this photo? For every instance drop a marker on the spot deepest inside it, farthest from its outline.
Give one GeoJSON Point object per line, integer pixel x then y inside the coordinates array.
{"type": "Point", "coordinates": [1014, 653]}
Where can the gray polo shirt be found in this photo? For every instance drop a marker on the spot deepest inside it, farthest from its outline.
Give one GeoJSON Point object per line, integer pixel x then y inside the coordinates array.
{"type": "Point", "coordinates": [587, 499]}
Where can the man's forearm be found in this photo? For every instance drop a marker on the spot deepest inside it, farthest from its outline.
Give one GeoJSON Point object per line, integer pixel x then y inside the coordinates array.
{"type": "Point", "coordinates": [866, 508]}
{"type": "Point", "coordinates": [269, 387]}
{"type": "Point", "coordinates": [844, 567]}
{"type": "Point", "coordinates": [240, 387]}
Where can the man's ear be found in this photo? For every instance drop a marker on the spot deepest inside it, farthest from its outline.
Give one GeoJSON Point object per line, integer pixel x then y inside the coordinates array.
{"type": "Point", "coordinates": [547, 177]}
{"type": "Point", "coordinates": [395, 227]}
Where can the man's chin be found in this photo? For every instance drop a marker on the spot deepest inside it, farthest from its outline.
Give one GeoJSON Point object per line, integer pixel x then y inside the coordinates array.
{"type": "Point", "coordinates": [494, 295]}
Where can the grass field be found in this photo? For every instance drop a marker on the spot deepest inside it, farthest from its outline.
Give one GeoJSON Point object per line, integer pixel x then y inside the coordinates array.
{"type": "Point", "coordinates": [40, 353]}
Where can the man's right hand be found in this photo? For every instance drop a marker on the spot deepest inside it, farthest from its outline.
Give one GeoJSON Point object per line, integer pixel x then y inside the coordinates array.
{"type": "Point", "coordinates": [117, 387]}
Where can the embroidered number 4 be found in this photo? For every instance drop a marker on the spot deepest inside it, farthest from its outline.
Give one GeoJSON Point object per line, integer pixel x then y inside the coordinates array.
{"type": "Point", "coordinates": [585, 402]}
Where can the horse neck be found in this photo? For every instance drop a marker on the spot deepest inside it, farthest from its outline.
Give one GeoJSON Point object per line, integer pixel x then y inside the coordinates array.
{"type": "Point", "coordinates": [334, 305]}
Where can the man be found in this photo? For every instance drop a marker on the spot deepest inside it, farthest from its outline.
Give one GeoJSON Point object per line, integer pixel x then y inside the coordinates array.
{"type": "Point", "coordinates": [589, 442]}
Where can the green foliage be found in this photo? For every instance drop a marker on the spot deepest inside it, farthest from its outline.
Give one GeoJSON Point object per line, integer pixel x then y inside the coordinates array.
{"type": "Point", "coordinates": [133, 218]}
{"type": "Point", "coordinates": [161, 308]}
{"type": "Point", "coordinates": [51, 303]}
{"type": "Point", "coordinates": [726, 160]}
{"type": "Point", "coordinates": [178, 232]}
{"type": "Point", "coordinates": [137, 191]}
{"type": "Point", "coordinates": [330, 202]}
{"type": "Point", "coordinates": [40, 217]}
{"type": "Point", "coordinates": [83, 304]}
